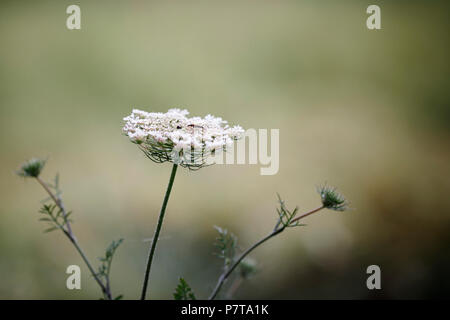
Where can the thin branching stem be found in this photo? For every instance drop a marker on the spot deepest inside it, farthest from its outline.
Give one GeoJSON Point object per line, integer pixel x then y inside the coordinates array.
{"type": "Point", "coordinates": [224, 276]}
{"type": "Point", "coordinates": [157, 231]}
{"type": "Point", "coordinates": [107, 279]}
{"type": "Point", "coordinates": [277, 230]}
{"type": "Point", "coordinates": [307, 214]}
{"type": "Point", "coordinates": [106, 290]}
{"type": "Point", "coordinates": [58, 202]}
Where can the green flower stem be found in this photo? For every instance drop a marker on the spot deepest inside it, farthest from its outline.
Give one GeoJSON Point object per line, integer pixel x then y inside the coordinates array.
{"type": "Point", "coordinates": [157, 231]}
{"type": "Point", "coordinates": [277, 230]}
{"type": "Point", "coordinates": [106, 291]}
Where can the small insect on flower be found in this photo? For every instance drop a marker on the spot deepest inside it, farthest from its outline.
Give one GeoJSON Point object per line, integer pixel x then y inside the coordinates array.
{"type": "Point", "coordinates": [193, 128]}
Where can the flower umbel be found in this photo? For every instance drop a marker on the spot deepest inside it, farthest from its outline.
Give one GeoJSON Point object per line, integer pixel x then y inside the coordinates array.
{"type": "Point", "coordinates": [331, 199]}
{"type": "Point", "coordinates": [31, 168]}
{"type": "Point", "coordinates": [173, 137]}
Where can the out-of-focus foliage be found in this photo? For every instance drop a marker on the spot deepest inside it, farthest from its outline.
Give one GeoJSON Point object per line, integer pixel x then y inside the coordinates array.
{"type": "Point", "coordinates": [225, 244]}
{"type": "Point", "coordinates": [366, 111]}
{"type": "Point", "coordinates": [183, 291]}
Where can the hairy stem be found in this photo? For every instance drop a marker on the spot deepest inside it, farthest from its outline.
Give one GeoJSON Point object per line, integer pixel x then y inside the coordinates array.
{"type": "Point", "coordinates": [277, 230]}
{"type": "Point", "coordinates": [157, 231]}
{"type": "Point", "coordinates": [106, 291]}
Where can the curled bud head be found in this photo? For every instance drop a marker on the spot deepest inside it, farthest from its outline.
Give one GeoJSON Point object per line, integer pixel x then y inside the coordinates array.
{"type": "Point", "coordinates": [31, 168]}
{"type": "Point", "coordinates": [247, 268]}
{"type": "Point", "coordinates": [331, 199]}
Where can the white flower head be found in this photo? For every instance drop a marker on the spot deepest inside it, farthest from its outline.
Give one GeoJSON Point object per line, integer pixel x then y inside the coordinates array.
{"type": "Point", "coordinates": [173, 137]}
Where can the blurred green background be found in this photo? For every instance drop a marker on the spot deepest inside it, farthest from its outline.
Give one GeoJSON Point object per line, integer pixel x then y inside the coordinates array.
{"type": "Point", "coordinates": [366, 111]}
